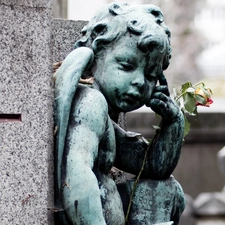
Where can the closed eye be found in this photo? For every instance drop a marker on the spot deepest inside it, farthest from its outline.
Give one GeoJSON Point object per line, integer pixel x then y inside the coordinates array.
{"type": "Point", "coordinates": [126, 66]}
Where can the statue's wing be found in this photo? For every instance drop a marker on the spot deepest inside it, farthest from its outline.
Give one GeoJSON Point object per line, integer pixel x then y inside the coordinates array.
{"type": "Point", "coordinates": [67, 78]}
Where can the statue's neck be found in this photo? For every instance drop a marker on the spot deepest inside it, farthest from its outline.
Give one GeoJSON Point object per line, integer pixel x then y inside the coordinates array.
{"type": "Point", "coordinates": [114, 116]}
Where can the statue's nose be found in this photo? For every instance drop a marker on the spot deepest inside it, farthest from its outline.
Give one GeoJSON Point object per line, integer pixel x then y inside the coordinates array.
{"type": "Point", "coordinates": [138, 81]}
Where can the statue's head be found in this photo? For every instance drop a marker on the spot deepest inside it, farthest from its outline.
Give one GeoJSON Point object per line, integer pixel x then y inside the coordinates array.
{"type": "Point", "coordinates": [115, 20]}
{"type": "Point", "coordinates": [131, 45]}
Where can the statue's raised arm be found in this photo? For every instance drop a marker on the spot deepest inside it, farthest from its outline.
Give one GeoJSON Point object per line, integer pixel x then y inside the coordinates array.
{"type": "Point", "coordinates": [165, 147]}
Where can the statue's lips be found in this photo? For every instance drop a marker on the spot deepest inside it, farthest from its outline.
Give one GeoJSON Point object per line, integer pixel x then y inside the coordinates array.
{"type": "Point", "coordinates": [130, 98]}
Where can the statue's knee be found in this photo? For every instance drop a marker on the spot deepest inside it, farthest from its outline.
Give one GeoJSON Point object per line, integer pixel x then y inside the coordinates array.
{"type": "Point", "coordinates": [159, 200]}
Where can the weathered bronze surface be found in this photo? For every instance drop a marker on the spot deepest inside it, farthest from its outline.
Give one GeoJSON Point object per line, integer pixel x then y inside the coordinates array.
{"type": "Point", "coordinates": [125, 49]}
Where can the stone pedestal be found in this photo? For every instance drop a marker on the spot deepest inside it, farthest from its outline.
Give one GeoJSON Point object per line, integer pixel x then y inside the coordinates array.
{"type": "Point", "coordinates": [26, 121]}
{"type": "Point", "coordinates": [64, 35]}
{"type": "Point", "coordinates": [30, 42]}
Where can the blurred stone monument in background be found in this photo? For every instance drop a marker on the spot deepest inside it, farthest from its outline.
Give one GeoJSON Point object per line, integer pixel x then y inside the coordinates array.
{"type": "Point", "coordinates": [209, 207]}
{"type": "Point", "coordinates": [60, 8]}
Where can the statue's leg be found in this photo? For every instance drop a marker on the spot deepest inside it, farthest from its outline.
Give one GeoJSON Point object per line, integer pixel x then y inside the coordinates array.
{"type": "Point", "coordinates": [154, 201]}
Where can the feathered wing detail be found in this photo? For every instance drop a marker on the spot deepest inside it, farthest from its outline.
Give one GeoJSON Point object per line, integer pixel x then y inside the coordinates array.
{"type": "Point", "coordinates": [66, 81]}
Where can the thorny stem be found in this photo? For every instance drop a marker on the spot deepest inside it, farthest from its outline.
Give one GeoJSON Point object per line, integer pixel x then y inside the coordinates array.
{"type": "Point", "coordinates": [177, 98]}
{"type": "Point", "coordinates": [135, 185]}
{"type": "Point", "coordinates": [138, 177]}
{"type": "Point", "coordinates": [198, 84]}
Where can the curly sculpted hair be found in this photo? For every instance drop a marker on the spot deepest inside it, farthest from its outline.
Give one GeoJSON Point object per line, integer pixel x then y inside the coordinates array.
{"type": "Point", "coordinates": [116, 19]}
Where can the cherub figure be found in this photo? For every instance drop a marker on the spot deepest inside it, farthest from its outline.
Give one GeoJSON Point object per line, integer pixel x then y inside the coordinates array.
{"type": "Point", "coordinates": [124, 50]}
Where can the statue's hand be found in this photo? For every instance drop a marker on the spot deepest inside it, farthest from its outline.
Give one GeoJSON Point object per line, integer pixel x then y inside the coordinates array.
{"type": "Point", "coordinates": [161, 103]}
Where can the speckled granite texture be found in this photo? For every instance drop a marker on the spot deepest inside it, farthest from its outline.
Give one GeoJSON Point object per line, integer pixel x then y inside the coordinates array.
{"type": "Point", "coordinates": [26, 147]}
{"type": "Point", "coordinates": [64, 35]}
{"type": "Point", "coordinates": [28, 3]}
{"type": "Point", "coordinates": [30, 41]}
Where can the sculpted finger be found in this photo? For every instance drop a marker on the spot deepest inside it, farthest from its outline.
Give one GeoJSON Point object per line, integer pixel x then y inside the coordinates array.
{"type": "Point", "coordinates": [157, 105]}
{"type": "Point", "coordinates": [163, 82]}
{"type": "Point", "coordinates": [159, 95]}
{"type": "Point", "coordinates": [163, 89]}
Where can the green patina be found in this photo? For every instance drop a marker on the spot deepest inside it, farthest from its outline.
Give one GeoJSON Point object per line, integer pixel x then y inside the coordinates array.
{"type": "Point", "coordinates": [125, 48]}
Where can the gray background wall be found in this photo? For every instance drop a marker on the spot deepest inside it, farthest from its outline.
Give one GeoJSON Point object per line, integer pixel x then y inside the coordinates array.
{"type": "Point", "coordinates": [63, 37]}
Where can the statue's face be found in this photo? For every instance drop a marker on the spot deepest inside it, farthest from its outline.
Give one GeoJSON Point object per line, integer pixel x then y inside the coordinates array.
{"type": "Point", "coordinates": [123, 76]}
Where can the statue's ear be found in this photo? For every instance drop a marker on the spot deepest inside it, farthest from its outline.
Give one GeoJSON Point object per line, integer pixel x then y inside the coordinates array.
{"type": "Point", "coordinates": [166, 62]}
{"type": "Point", "coordinates": [117, 8]}
{"type": "Point", "coordinates": [99, 29]}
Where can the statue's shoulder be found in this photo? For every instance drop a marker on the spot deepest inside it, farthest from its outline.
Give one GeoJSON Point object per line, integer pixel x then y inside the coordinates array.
{"type": "Point", "coordinates": [86, 91]}
{"type": "Point", "coordinates": [93, 99]}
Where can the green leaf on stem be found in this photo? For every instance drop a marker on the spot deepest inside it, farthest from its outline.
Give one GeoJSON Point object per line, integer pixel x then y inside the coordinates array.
{"type": "Point", "coordinates": [187, 126]}
{"type": "Point", "coordinates": [189, 103]}
{"type": "Point", "coordinates": [185, 86]}
{"type": "Point", "coordinates": [190, 90]}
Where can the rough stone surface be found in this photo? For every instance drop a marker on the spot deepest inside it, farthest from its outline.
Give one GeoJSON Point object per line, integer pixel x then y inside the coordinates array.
{"type": "Point", "coordinates": [27, 3]}
{"type": "Point", "coordinates": [64, 35]}
{"type": "Point", "coordinates": [26, 146]}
